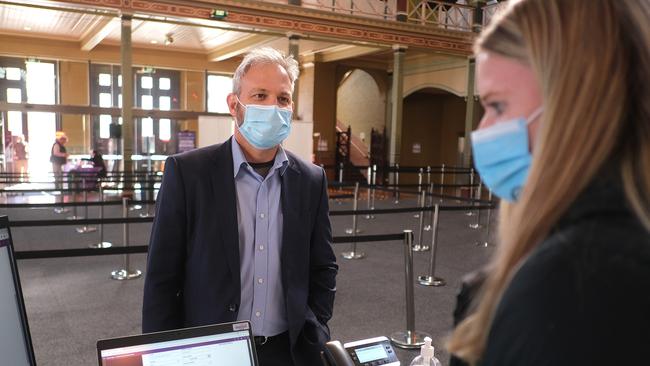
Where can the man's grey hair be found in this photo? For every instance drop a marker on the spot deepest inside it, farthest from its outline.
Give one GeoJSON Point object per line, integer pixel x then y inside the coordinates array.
{"type": "Point", "coordinates": [265, 55]}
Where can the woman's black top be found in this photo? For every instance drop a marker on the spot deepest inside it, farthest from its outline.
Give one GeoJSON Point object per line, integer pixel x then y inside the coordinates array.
{"type": "Point", "coordinates": [583, 296]}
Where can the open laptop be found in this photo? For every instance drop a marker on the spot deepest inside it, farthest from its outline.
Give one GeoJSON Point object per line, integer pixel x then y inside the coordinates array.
{"type": "Point", "coordinates": [15, 341]}
{"type": "Point", "coordinates": [228, 344]}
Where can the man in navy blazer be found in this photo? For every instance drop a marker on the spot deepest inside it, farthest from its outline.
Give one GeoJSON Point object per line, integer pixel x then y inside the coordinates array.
{"type": "Point", "coordinates": [242, 228]}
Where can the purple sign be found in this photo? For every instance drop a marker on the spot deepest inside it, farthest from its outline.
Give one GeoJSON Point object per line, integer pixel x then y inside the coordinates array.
{"type": "Point", "coordinates": [186, 141]}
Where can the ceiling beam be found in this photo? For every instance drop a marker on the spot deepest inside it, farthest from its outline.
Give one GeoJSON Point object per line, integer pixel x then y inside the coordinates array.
{"type": "Point", "coordinates": [101, 28]}
{"type": "Point", "coordinates": [239, 46]}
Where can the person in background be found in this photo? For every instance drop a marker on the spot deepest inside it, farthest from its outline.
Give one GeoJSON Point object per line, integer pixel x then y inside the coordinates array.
{"type": "Point", "coordinates": [242, 229]}
{"type": "Point", "coordinates": [98, 162]}
{"type": "Point", "coordinates": [565, 142]}
{"type": "Point", "coordinates": [58, 158]}
{"type": "Point", "coordinates": [21, 155]}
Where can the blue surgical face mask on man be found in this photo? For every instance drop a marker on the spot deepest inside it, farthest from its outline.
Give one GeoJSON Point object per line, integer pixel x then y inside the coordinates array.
{"type": "Point", "coordinates": [265, 126]}
{"type": "Point", "coordinates": [502, 155]}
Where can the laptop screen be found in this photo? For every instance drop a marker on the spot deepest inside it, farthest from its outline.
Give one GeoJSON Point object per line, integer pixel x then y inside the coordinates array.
{"type": "Point", "coordinates": [223, 344]}
{"type": "Point", "coordinates": [15, 344]}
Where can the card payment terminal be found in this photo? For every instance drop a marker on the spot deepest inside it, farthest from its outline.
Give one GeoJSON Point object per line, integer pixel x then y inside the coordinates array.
{"type": "Point", "coordinates": [367, 352]}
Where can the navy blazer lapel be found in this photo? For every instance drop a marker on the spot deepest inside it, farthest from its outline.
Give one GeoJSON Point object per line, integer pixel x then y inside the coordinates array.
{"type": "Point", "coordinates": [223, 185]}
{"type": "Point", "coordinates": [291, 198]}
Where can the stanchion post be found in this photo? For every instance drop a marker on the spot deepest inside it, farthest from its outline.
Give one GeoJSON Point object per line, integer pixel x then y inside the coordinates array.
{"type": "Point", "coordinates": [430, 279]}
{"type": "Point", "coordinates": [410, 338]}
{"type": "Point", "coordinates": [396, 183]}
{"type": "Point", "coordinates": [478, 225]}
{"type": "Point", "coordinates": [427, 225]}
{"type": "Point", "coordinates": [428, 175]}
{"type": "Point", "coordinates": [354, 254]}
{"type": "Point", "coordinates": [471, 191]}
{"type": "Point", "coordinates": [85, 229]}
{"type": "Point", "coordinates": [75, 215]}
{"type": "Point", "coordinates": [125, 273]}
{"type": "Point", "coordinates": [374, 186]}
{"type": "Point", "coordinates": [340, 176]}
{"type": "Point", "coordinates": [486, 243]}
{"type": "Point", "coordinates": [369, 192]}
{"type": "Point", "coordinates": [420, 197]}
{"type": "Point", "coordinates": [102, 243]}
{"type": "Point", "coordinates": [61, 197]}
{"type": "Point", "coordinates": [420, 246]}
{"type": "Point", "coordinates": [442, 181]}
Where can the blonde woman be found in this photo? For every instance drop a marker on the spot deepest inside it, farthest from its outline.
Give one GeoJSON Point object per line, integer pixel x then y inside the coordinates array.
{"type": "Point", "coordinates": [565, 141]}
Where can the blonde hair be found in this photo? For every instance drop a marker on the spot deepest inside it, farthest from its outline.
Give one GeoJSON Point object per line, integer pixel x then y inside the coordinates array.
{"type": "Point", "coordinates": [593, 65]}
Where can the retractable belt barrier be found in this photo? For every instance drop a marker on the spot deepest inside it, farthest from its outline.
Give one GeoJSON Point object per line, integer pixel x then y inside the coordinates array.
{"type": "Point", "coordinates": [410, 338]}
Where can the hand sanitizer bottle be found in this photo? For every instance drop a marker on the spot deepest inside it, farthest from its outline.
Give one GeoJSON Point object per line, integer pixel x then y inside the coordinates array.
{"type": "Point", "coordinates": [426, 357]}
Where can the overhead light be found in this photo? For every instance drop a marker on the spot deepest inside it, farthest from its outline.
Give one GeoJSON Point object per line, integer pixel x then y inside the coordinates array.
{"type": "Point", "coordinates": [27, 28]}
{"type": "Point", "coordinates": [153, 41]}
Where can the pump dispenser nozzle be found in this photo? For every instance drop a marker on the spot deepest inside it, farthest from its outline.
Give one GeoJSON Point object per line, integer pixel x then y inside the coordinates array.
{"type": "Point", "coordinates": [427, 349]}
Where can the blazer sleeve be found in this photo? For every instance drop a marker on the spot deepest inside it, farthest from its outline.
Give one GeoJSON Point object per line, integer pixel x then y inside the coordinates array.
{"type": "Point", "coordinates": [162, 302]}
{"type": "Point", "coordinates": [323, 267]}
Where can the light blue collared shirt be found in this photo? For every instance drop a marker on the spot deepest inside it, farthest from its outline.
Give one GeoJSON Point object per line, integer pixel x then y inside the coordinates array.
{"type": "Point", "coordinates": [259, 216]}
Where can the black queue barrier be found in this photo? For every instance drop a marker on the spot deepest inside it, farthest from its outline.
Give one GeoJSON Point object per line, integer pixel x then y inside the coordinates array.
{"type": "Point", "coordinates": [410, 338]}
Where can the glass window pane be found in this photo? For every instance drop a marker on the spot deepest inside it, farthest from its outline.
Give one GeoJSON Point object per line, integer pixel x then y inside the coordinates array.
{"type": "Point", "coordinates": [119, 80]}
{"type": "Point", "coordinates": [14, 95]}
{"type": "Point", "coordinates": [218, 89]}
{"type": "Point", "coordinates": [164, 83]}
{"type": "Point", "coordinates": [147, 102]}
{"type": "Point", "coordinates": [2, 72]}
{"type": "Point", "coordinates": [105, 79]}
{"type": "Point", "coordinates": [147, 127]}
{"type": "Point", "coordinates": [165, 129]}
{"type": "Point", "coordinates": [15, 122]}
{"type": "Point", "coordinates": [41, 83]}
{"type": "Point", "coordinates": [119, 100]}
{"type": "Point", "coordinates": [105, 126]}
{"type": "Point", "coordinates": [13, 73]}
{"type": "Point", "coordinates": [146, 82]}
{"type": "Point", "coordinates": [164, 103]}
{"type": "Point", "coordinates": [105, 100]}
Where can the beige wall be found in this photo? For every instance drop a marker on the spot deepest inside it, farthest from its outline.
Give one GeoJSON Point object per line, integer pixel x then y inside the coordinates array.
{"type": "Point", "coordinates": [360, 104]}
{"type": "Point", "coordinates": [73, 79]}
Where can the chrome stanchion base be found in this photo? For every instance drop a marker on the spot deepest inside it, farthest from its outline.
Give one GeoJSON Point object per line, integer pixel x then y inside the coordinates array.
{"type": "Point", "coordinates": [61, 210]}
{"type": "Point", "coordinates": [350, 231]}
{"type": "Point", "coordinates": [431, 281]}
{"type": "Point", "coordinates": [86, 229]}
{"type": "Point", "coordinates": [370, 217]}
{"type": "Point", "coordinates": [417, 216]}
{"type": "Point", "coordinates": [101, 245]}
{"type": "Point", "coordinates": [144, 215]}
{"type": "Point", "coordinates": [427, 227]}
{"type": "Point", "coordinates": [408, 339]}
{"type": "Point", "coordinates": [123, 274]}
{"type": "Point", "coordinates": [135, 208]}
{"type": "Point", "coordinates": [470, 213]}
{"type": "Point", "coordinates": [353, 255]}
{"type": "Point", "coordinates": [484, 244]}
{"type": "Point", "coordinates": [396, 202]}
{"type": "Point", "coordinates": [475, 226]}
{"type": "Point", "coordinates": [421, 248]}
{"type": "Point", "coordinates": [73, 217]}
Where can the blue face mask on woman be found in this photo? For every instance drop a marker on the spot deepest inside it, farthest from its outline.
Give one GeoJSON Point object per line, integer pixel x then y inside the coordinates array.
{"type": "Point", "coordinates": [265, 126]}
{"type": "Point", "coordinates": [502, 156]}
